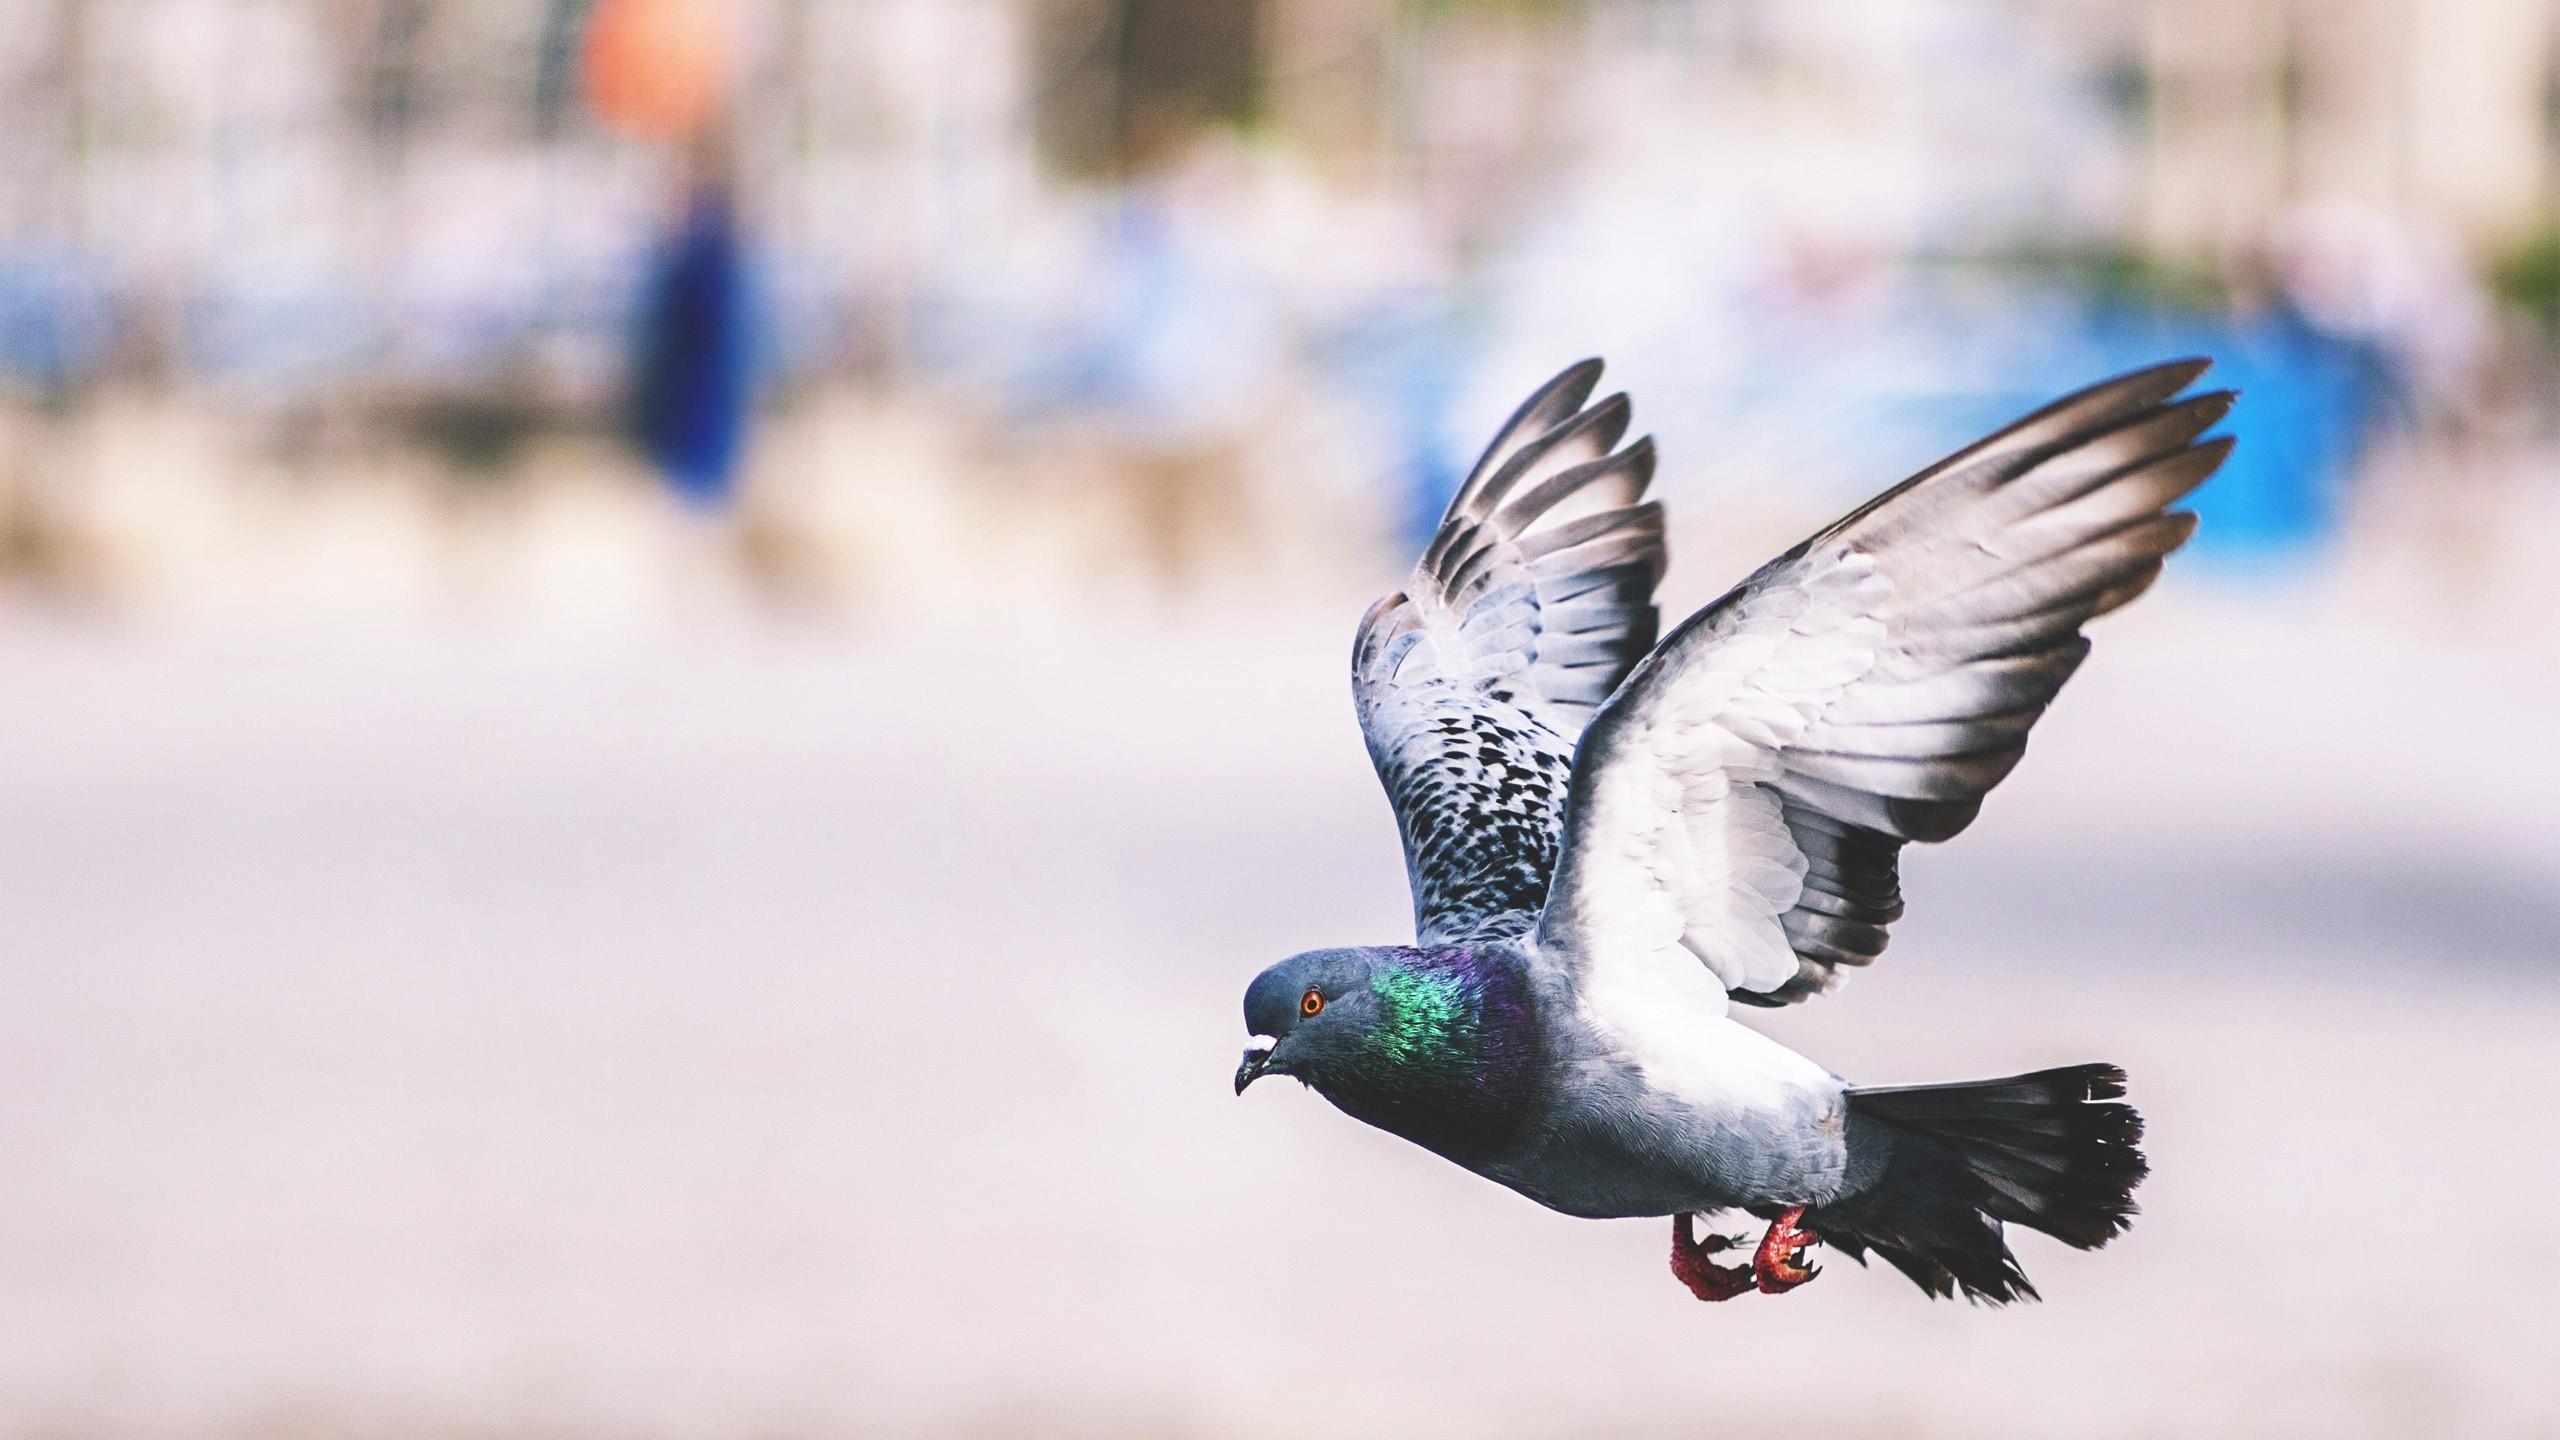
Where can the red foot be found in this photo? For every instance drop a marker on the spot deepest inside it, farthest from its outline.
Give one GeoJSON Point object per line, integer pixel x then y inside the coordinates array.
{"type": "Point", "coordinates": [1705, 1278]}
{"type": "Point", "coordinates": [1778, 1266]}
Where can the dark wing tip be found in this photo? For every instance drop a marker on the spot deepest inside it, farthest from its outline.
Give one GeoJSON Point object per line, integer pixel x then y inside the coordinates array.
{"type": "Point", "coordinates": [2122, 396]}
{"type": "Point", "coordinates": [2216, 403]}
{"type": "Point", "coordinates": [2189, 369]}
{"type": "Point", "coordinates": [1547, 407]}
{"type": "Point", "coordinates": [1568, 391]}
{"type": "Point", "coordinates": [2162, 380]}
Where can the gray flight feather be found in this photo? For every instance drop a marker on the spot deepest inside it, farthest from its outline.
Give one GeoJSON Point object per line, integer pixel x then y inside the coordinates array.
{"type": "Point", "coordinates": [1746, 793]}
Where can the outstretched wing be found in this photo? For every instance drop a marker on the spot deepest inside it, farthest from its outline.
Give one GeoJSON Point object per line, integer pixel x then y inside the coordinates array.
{"type": "Point", "coordinates": [1533, 600]}
{"type": "Point", "coordinates": [1745, 796]}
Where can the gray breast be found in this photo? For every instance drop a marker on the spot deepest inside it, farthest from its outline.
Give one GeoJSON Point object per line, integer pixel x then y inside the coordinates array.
{"type": "Point", "coordinates": [1606, 1145]}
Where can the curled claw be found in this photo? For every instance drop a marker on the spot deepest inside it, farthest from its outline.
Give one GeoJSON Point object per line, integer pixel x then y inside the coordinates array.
{"type": "Point", "coordinates": [1689, 1263]}
{"type": "Point", "coordinates": [1778, 1266]}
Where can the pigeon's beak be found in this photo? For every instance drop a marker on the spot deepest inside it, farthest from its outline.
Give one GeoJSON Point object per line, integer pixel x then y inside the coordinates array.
{"type": "Point", "coordinates": [1257, 1058]}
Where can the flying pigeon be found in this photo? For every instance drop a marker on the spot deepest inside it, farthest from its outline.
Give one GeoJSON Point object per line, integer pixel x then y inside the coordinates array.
{"type": "Point", "coordinates": [1610, 841]}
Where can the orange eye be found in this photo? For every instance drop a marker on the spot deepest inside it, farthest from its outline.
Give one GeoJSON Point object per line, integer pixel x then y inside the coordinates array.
{"type": "Point", "coordinates": [1311, 1003]}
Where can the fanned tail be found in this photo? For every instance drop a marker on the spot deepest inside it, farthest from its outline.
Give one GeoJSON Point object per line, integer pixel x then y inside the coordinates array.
{"type": "Point", "coordinates": [2054, 1151]}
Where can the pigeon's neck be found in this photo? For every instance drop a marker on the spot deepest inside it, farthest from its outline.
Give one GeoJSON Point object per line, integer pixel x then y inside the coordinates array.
{"type": "Point", "coordinates": [1451, 1058]}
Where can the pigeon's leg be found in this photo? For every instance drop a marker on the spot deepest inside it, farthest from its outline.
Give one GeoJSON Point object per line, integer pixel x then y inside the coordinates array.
{"type": "Point", "coordinates": [1705, 1278]}
{"type": "Point", "coordinates": [1779, 1266]}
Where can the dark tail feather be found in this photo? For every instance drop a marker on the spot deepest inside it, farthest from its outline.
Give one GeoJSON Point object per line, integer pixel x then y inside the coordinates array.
{"type": "Point", "coordinates": [2053, 1151]}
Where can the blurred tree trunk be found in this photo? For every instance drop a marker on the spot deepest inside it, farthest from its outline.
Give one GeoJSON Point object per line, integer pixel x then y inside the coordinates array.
{"type": "Point", "coordinates": [1123, 81]}
{"type": "Point", "coordinates": [1326, 82]}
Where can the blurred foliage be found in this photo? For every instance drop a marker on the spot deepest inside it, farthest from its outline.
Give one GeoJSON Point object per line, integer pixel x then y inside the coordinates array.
{"type": "Point", "coordinates": [2121, 275]}
{"type": "Point", "coordinates": [2527, 275]}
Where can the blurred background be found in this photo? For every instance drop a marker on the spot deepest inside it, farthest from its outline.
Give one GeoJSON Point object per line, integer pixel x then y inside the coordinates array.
{"type": "Point", "coordinates": [666, 663]}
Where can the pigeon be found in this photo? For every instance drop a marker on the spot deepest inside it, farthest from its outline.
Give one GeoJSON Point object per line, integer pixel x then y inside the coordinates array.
{"type": "Point", "coordinates": [1611, 842]}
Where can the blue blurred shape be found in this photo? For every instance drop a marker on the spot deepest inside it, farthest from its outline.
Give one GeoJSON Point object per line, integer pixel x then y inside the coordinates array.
{"type": "Point", "coordinates": [2311, 401]}
{"type": "Point", "coordinates": [55, 319]}
{"type": "Point", "coordinates": [1405, 359]}
{"type": "Point", "coordinates": [695, 379]}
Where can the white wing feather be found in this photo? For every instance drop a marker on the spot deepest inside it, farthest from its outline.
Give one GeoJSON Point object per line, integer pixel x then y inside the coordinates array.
{"type": "Point", "coordinates": [1744, 795]}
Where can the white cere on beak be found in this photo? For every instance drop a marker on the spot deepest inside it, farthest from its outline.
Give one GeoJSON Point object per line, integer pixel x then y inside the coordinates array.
{"type": "Point", "coordinates": [1263, 1044]}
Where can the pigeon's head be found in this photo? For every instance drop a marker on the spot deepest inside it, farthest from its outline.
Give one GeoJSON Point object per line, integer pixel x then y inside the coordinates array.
{"type": "Point", "coordinates": [1309, 1014]}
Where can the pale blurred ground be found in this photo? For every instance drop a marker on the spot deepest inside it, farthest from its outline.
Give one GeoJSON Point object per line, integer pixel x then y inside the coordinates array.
{"type": "Point", "coordinates": [758, 1031]}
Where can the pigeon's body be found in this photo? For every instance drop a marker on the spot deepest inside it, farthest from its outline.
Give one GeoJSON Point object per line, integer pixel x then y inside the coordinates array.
{"type": "Point", "coordinates": [1692, 1115]}
{"type": "Point", "coordinates": [1595, 1124]}
{"type": "Point", "coordinates": [1610, 841]}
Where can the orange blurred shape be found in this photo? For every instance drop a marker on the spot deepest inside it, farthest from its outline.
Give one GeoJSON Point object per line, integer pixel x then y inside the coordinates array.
{"type": "Point", "coordinates": [658, 68]}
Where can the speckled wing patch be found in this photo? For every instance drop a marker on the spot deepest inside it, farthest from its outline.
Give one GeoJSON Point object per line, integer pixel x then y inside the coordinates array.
{"type": "Point", "coordinates": [1532, 602]}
